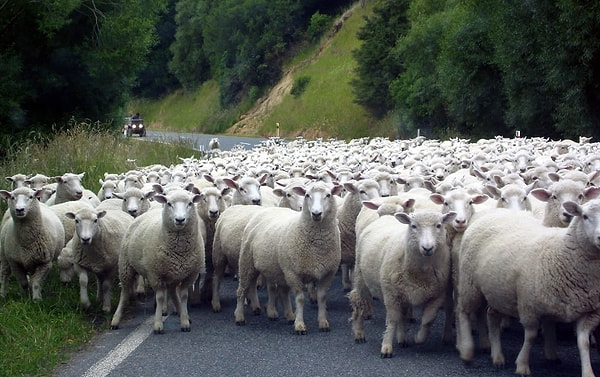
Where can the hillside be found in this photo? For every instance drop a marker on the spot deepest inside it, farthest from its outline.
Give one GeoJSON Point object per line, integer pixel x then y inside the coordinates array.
{"type": "Point", "coordinates": [324, 109]}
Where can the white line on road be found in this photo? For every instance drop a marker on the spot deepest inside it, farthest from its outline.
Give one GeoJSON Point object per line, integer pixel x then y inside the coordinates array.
{"type": "Point", "coordinates": [115, 357]}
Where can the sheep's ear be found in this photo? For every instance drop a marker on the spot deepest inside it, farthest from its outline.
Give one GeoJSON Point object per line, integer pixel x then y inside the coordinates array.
{"type": "Point", "coordinates": [209, 178]}
{"type": "Point", "coordinates": [371, 205]}
{"type": "Point", "coordinates": [101, 214]}
{"type": "Point", "coordinates": [448, 217]}
{"type": "Point", "coordinates": [437, 198]}
{"type": "Point", "coordinates": [70, 215]}
{"type": "Point", "coordinates": [541, 194]}
{"type": "Point", "coordinates": [403, 217]}
{"type": "Point", "coordinates": [158, 188]}
{"type": "Point", "coordinates": [101, 182]}
{"type": "Point", "coordinates": [350, 186]}
{"type": "Point", "coordinates": [409, 204]}
{"type": "Point", "coordinates": [591, 192]}
{"type": "Point", "coordinates": [197, 198]}
{"type": "Point", "coordinates": [231, 183]}
{"type": "Point", "coordinates": [573, 208]}
{"type": "Point", "coordinates": [279, 192]}
{"type": "Point", "coordinates": [299, 190]}
{"type": "Point", "coordinates": [5, 194]}
{"type": "Point", "coordinates": [336, 190]}
{"type": "Point", "coordinates": [160, 198]}
{"type": "Point", "coordinates": [478, 199]}
{"type": "Point", "coordinates": [39, 192]}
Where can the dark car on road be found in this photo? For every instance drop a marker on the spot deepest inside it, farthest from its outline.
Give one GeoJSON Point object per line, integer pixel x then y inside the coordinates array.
{"type": "Point", "coordinates": [134, 126]}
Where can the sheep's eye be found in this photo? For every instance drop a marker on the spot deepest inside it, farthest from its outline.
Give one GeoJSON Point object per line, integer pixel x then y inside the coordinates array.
{"type": "Point", "coordinates": [76, 221]}
{"type": "Point", "coordinates": [288, 195]}
{"type": "Point", "coordinates": [438, 226]}
{"type": "Point", "coordinates": [554, 197]}
{"type": "Point", "coordinates": [503, 199]}
{"type": "Point", "coordinates": [362, 192]}
{"type": "Point", "coordinates": [585, 217]}
{"type": "Point", "coordinates": [413, 226]}
{"type": "Point", "coordinates": [328, 196]}
{"type": "Point", "coordinates": [242, 189]}
{"type": "Point", "coordinates": [446, 204]}
{"type": "Point", "coordinates": [95, 221]}
{"type": "Point", "coordinates": [580, 197]}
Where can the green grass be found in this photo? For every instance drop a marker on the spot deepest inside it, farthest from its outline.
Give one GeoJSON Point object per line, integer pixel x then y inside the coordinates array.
{"type": "Point", "coordinates": [35, 337]}
{"type": "Point", "coordinates": [324, 109]}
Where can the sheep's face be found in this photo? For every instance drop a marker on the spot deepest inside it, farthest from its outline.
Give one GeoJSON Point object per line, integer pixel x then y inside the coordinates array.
{"type": "Point", "coordinates": [318, 200]}
{"type": "Point", "coordinates": [589, 222]}
{"type": "Point", "coordinates": [212, 202]}
{"type": "Point", "coordinates": [426, 230]}
{"type": "Point", "coordinates": [20, 200]}
{"type": "Point", "coordinates": [70, 184]}
{"type": "Point", "coordinates": [179, 208]}
{"type": "Point", "coordinates": [86, 224]}
{"type": "Point", "coordinates": [461, 203]}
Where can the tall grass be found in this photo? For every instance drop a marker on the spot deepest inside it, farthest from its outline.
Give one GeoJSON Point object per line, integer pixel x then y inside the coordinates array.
{"type": "Point", "coordinates": [37, 336]}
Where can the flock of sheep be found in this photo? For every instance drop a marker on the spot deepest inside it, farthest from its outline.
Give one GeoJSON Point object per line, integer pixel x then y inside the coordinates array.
{"type": "Point", "coordinates": [484, 231]}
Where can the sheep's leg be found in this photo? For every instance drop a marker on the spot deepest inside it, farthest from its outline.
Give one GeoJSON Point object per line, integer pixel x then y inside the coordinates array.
{"type": "Point", "coordinates": [464, 336]}
{"type": "Point", "coordinates": [584, 327]}
{"type": "Point", "coordinates": [246, 288]}
{"type": "Point", "coordinates": [161, 302]}
{"type": "Point", "coordinates": [346, 279]}
{"type": "Point", "coordinates": [550, 341]}
{"type": "Point", "coordinates": [37, 279]}
{"type": "Point", "coordinates": [286, 303]}
{"type": "Point", "coordinates": [123, 299]}
{"type": "Point", "coordinates": [299, 325]}
{"type": "Point", "coordinates": [482, 330]}
{"type": "Point", "coordinates": [494, 325]}
{"type": "Point", "coordinates": [322, 288]}
{"type": "Point", "coordinates": [271, 301]}
{"type": "Point", "coordinates": [449, 318]}
{"type": "Point", "coordinates": [523, 357]}
{"type": "Point", "coordinates": [106, 292]}
{"type": "Point", "coordinates": [84, 297]}
{"type": "Point", "coordinates": [393, 317]}
{"type": "Point", "coordinates": [430, 312]}
{"type": "Point", "coordinates": [21, 276]}
{"type": "Point", "coordinates": [173, 294]}
{"type": "Point", "coordinates": [218, 273]}
{"type": "Point", "coordinates": [184, 317]}
{"type": "Point", "coordinates": [4, 274]}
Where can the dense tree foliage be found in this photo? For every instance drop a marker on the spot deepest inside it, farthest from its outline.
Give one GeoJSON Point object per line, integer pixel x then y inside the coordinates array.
{"type": "Point", "coordinates": [68, 58]}
{"type": "Point", "coordinates": [483, 68]}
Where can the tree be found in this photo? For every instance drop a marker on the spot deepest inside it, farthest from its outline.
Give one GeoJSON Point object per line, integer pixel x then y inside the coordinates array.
{"type": "Point", "coordinates": [72, 58]}
{"type": "Point", "coordinates": [376, 65]}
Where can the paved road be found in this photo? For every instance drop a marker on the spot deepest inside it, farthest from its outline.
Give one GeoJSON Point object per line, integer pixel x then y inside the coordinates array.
{"type": "Point", "coordinates": [217, 347]}
{"type": "Point", "coordinates": [200, 141]}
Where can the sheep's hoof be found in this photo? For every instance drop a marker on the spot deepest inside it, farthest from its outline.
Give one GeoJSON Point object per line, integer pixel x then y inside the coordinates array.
{"type": "Point", "coordinates": [324, 329]}
{"type": "Point", "coordinates": [240, 323]}
{"type": "Point", "coordinates": [467, 362]}
{"type": "Point", "coordinates": [403, 344]}
{"type": "Point", "coordinates": [300, 332]}
{"type": "Point", "coordinates": [360, 340]}
{"type": "Point", "coordinates": [273, 319]}
{"type": "Point", "coordinates": [256, 311]}
{"type": "Point", "coordinates": [159, 332]}
{"type": "Point", "coordinates": [385, 355]}
{"type": "Point", "coordinates": [555, 361]}
{"type": "Point", "coordinates": [218, 310]}
{"type": "Point", "coordinates": [114, 327]}
{"type": "Point", "coordinates": [186, 329]}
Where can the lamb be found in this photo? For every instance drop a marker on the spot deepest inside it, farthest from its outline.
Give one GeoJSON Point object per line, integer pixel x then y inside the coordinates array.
{"type": "Point", "coordinates": [107, 188]}
{"type": "Point", "coordinates": [30, 239]}
{"type": "Point", "coordinates": [405, 266]}
{"type": "Point", "coordinates": [357, 191]}
{"type": "Point", "coordinates": [96, 248]}
{"type": "Point", "coordinates": [517, 267]}
{"type": "Point", "coordinates": [309, 253]}
{"type": "Point", "coordinates": [167, 250]}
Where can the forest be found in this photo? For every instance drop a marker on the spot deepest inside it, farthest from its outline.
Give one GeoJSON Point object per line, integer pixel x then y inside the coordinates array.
{"type": "Point", "coordinates": [452, 68]}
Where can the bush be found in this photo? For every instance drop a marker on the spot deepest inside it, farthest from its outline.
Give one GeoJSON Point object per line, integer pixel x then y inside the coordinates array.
{"type": "Point", "coordinates": [319, 23]}
{"type": "Point", "coordinates": [299, 86]}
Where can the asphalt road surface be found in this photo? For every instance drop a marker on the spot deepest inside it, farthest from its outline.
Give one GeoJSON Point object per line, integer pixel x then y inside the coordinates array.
{"type": "Point", "coordinates": [217, 347]}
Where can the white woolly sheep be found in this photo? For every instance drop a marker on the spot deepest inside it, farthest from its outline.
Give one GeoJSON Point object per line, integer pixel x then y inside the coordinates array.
{"type": "Point", "coordinates": [309, 253]}
{"type": "Point", "coordinates": [168, 251]}
{"type": "Point", "coordinates": [377, 207]}
{"type": "Point", "coordinates": [554, 197]}
{"type": "Point", "coordinates": [357, 191]}
{"type": "Point", "coordinates": [405, 266]}
{"type": "Point", "coordinates": [523, 269]}
{"type": "Point", "coordinates": [133, 201]}
{"type": "Point", "coordinates": [30, 239]}
{"type": "Point", "coordinates": [69, 188]}
{"type": "Point", "coordinates": [246, 190]}
{"type": "Point", "coordinates": [227, 243]}
{"type": "Point", "coordinates": [96, 247]}
{"type": "Point", "coordinates": [17, 180]}
{"type": "Point", "coordinates": [37, 181]}
{"type": "Point", "coordinates": [107, 189]}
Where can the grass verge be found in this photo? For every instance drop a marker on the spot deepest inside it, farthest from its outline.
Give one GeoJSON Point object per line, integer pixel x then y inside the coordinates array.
{"type": "Point", "coordinates": [35, 337]}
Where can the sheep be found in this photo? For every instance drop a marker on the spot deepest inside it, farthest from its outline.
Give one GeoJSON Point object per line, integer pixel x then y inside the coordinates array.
{"type": "Point", "coordinates": [246, 190]}
{"type": "Point", "coordinates": [377, 207]}
{"type": "Point", "coordinates": [69, 188]}
{"type": "Point", "coordinates": [167, 250]}
{"type": "Point", "coordinates": [357, 191]}
{"type": "Point", "coordinates": [309, 253]}
{"type": "Point", "coordinates": [226, 246]}
{"type": "Point", "coordinates": [37, 181]}
{"type": "Point", "coordinates": [405, 266]}
{"type": "Point", "coordinates": [133, 201]}
{"type": "Point", "coordinates": [107, 189]}
{"type": "Point", "coordinates": [555, 196]}
{"type": "Point", "coordinates": [17, 180]}
{"type": "Point", "coordinates": [30, 239]}
{"type": "Point", "coordinates": [95, 247]}
{"type": "Point", "coordinates": [523, 269]}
